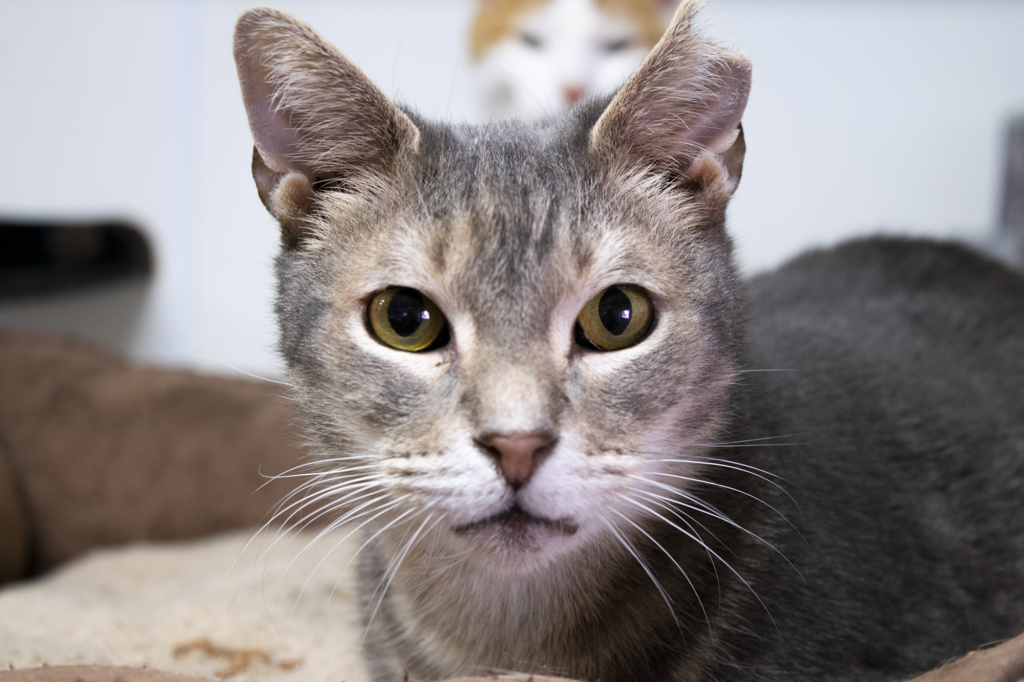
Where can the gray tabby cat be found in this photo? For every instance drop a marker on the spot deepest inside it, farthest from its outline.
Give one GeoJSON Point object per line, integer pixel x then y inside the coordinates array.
{"type": "Point", "coordinates": [534, 378]}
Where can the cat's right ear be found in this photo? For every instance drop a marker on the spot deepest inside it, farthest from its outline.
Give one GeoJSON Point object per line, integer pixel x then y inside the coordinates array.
{"type": "Point", "coordinates": [318, 122]}
{"type": "Point", "coordinates": [679, 114]}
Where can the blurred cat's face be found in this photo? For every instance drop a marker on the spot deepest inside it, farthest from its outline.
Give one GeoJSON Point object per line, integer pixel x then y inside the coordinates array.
{"type": "Point", "coordinates": [554, 55]}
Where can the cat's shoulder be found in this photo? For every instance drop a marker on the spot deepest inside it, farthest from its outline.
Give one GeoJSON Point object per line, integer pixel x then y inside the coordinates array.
{"type": "Point", "coordinates": [885, 306]}
{"type": "Point", "coordinates": [894, 275]}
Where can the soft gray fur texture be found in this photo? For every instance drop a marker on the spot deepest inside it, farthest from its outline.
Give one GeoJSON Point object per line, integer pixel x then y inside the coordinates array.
{"type": "Point", "coordinates": [822, 482]}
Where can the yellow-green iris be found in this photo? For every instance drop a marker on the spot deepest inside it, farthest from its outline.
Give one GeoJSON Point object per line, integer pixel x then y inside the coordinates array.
{"type": "Point", "coordinates": [405, 319]}
{"type": "Point", "coordinates": [618, 317]}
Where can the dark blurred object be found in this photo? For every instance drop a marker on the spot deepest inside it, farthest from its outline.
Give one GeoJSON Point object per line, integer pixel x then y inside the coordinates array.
{"type": "Point", "coordinates": [97, 451]}
{"type": "Point", "coordinates": [1013, 187]}
{"type": "Point", "coordinates": [50, 257]}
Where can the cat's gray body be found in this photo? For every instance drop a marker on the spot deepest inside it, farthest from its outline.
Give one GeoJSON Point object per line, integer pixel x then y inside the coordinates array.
{"type": "Point", "coordinates": [662, 510]}
{"type": "Point", "coordinates": [909, 358]}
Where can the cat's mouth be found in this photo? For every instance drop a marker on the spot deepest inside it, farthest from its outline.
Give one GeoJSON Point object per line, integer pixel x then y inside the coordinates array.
{"type": "Point", "coordinates": [516, 522]}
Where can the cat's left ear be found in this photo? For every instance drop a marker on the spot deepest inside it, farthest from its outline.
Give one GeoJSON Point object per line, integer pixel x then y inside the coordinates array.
{"type": "Point", "coordinates": [317, 120]}
{"type": "Point", "coordinates": [679, 114]}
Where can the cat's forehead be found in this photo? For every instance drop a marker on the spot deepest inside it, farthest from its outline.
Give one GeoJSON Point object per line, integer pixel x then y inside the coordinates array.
{"type": "Point", "coordinates": [511, 157]}
{"type": "Point", "coordinates": [507, 222]}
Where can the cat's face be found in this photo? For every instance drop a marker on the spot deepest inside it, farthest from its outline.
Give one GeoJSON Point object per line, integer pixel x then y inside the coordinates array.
{"type": "Point", "coordinates": [500, 338]}
{"type": "Point", "coordinates": [510, 259]}
{"type": "Point", "coordinates": [554, 53]}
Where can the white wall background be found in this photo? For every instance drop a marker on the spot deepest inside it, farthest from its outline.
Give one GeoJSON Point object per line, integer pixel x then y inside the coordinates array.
{"type": "Point", "coordinates": [866, 115]}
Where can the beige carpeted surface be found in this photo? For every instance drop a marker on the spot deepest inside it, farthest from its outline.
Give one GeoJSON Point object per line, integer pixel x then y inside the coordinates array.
{"type": "Point", "coordinates": [218, 608]}
{"type": "Point", "coordinates": [204, 607]}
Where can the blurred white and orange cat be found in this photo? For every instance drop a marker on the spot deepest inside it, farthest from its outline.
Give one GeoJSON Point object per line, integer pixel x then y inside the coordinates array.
{"type": "Point", "coordinates": [537, 58]}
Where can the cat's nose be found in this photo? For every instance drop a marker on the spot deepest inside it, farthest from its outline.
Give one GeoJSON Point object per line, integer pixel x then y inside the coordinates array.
{"type": "Point", "coordinates": [572, 94]}
{"type": "Point", "coordinates": [517, 454]}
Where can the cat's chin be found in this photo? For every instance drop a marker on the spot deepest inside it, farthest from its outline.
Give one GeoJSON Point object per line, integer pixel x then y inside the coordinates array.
{"type": "Point", "coordinates": [517, 538]}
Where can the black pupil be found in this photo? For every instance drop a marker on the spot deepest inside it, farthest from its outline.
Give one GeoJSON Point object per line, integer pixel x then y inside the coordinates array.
{"type": "Point", "coordinates": [614, 310]}
{"type": "Point", "coordinates": [406, 312]}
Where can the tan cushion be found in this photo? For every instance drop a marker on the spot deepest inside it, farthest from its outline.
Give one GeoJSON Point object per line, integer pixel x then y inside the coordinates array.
{"type": "Point", "coordinates": [107, 452]}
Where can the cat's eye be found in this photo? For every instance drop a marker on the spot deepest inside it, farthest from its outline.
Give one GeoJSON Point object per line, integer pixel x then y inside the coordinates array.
{"type": "Point", "coordinates": [619, 45]}
{"type": "Point", "coordinates": [405, 319]}
{"type": "Point", "coordinates": [618, 317]}
{"type": "Point", "coordinates": [531, 40]}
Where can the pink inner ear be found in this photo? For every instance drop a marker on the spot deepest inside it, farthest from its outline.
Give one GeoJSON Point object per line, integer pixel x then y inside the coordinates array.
{"type": "Point", "coordinates": [276, 139]}
{"type": "Point", "coordinates": [717, 126]}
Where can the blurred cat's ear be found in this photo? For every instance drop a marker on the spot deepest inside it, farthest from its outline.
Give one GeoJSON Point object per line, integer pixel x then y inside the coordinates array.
{"type": "Point", "coordinates": [318, 122]}
{"type": "Point", "coordinates": [679, 114]}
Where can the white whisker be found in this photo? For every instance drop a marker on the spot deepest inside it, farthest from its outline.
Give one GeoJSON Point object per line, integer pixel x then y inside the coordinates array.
{"type": "Point", "coordinates": [643, 564]}
{"type": "Point", "coordinates": [392, 570]}
{"type": "Point", "coordinates": [713, 552]}
{"type": "Point", "coordinates": [715, 485]}
{"type": "Point", "coordinates": [333, 526]}
{"type": "Point", "coordinates": [758, 440]}
{"type": "Point", "coordinates": [710, 510]}
{"type": "Point", "coordinates": [670, 557]}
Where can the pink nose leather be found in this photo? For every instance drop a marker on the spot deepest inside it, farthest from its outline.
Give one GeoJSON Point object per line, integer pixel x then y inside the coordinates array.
{"type": "Point", "coordinates": [572, 94]}
{"type": "Point", "coordinates": [517, 453]}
